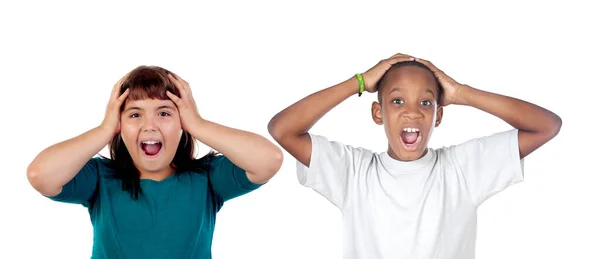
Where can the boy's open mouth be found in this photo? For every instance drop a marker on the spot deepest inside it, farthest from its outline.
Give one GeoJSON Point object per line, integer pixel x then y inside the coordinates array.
{"type": "Point", "coordinates": [411, 137]}
{"type": "Point", "coordinates": [151, 147]}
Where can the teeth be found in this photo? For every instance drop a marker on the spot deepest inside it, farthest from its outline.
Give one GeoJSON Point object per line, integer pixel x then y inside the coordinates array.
{"type": "Point", "coordinates": [411, 129]}
{"type": "Point", "coordinates": [150, 142]}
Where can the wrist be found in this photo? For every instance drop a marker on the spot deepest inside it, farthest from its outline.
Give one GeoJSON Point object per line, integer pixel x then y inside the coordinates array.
{"type": "Point", "coordinates": [462, 95]}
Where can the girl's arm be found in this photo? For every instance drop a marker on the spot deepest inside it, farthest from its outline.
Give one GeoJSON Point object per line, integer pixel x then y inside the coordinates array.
{"type": "Point", "coordinates": [58, 164]}
{"type": "Point", "coordinates": [290, 126]}
{"type": "Point", "coordinates": [258, 156]}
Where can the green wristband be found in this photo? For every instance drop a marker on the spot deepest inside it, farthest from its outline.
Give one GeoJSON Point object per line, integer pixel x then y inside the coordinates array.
{"type": "Point", "coordinates": [361, 84]}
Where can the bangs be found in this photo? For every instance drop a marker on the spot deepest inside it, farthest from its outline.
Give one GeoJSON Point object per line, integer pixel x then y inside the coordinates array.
{"type": "Point", "coordinates": [148, 82]}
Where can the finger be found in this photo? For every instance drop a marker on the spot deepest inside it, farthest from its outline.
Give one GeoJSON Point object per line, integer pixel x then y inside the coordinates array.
{"type": "Point", "coordinates": [400, 55]}
{"type": "Point", "coordinates": [117, 88]}
{"type": "Point", "coordinates": [123, 96]}
{"type": "Point", "coordinates": [184, 83]}
{"type": "Point", "coordinates": [399, 59]}
{"type": "Point", "coordinates": [178, 85]}
{"type": "Point", "coordinates": [174, 98]}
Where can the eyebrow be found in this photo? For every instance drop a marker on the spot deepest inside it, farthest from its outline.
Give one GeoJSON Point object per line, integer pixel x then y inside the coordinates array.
{"type": "Point", "coordinates": [402, 90]}
{"type": "Point", "coordinates": [159, 107]}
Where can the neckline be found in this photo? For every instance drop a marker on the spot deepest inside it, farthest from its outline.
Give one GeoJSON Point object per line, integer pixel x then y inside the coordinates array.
{"type": "Point", "coordinates": [149, 180]}
{"type": "Point", "coordinates": [406, 167]}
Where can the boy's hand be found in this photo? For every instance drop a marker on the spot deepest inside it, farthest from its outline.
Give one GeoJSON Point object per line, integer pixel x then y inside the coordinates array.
{"type": "Point", "coordinates": [373, 75]}
{"type": "Point", "coordinates": [188, 111]}
{"type": "Point", "coordinates": [449, 85]}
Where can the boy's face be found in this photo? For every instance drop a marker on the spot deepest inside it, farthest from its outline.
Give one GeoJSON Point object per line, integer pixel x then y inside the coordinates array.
{"type": "Point", "coordinates": [408, 111]}
{"type": "Point", "coordinates": [151, 130]}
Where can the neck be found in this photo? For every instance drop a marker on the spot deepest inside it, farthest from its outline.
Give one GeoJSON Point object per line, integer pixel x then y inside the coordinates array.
{"type": "Point", "coordinates": [405, 158]}
{"type": "Point", "coordinates": [159, 175]}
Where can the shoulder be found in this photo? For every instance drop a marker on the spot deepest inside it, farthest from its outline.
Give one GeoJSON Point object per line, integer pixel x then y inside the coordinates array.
{"type": "Point", "coordinates": [320, 142]}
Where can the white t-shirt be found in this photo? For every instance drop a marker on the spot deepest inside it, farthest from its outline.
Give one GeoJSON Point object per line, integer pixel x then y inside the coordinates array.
{"type": "Point", "coordinates": [422, 209]}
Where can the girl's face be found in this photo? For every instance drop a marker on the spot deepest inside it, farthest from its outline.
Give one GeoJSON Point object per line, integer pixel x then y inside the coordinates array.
{"type": "Point", "coordinates": [151, 130]}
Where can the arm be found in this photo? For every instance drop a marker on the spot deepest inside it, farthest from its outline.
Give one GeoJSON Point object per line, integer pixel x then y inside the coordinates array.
{"type": "Point", "coordinates": [258, 156]}
{"type": "Point", "coordinates": [58, 164]}
{"type": "Point", "coordinates": [536, 125]}
{"type": "Point", "coordinates": [290, 126]}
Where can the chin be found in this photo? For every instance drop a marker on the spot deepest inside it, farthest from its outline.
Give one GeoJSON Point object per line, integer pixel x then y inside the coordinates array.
{"type": "Point", "coordinates": [404, 152]}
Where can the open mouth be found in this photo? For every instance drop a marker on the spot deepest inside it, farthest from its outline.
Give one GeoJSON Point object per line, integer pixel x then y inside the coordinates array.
{"type": "Point", "coordinates": [151, 148]}
{"type": "Point", "coordinates": [411, 138]}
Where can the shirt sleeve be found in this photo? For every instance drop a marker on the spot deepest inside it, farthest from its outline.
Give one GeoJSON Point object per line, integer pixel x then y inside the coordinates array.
{"type": "Point", "coordinates": [82, 187]}
{"type": "Point", "coordinates": [228, 180]}
{"type": "Point", "coordinates": [332, 165]}
{"type": "Point", "coordinates": [489, 164]}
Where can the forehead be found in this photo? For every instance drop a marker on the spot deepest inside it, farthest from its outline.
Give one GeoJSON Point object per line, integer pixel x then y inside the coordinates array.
{"type": "Point", "coordinates": [148, 104]}
{"type": "Point", "coordinates": [409, 78]}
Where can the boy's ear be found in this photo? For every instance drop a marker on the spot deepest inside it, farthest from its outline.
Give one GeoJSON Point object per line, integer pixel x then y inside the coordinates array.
{"type": "Point", "coordinates": [376, 113]}
{"type": "Point", "coordinates": [439, 115]}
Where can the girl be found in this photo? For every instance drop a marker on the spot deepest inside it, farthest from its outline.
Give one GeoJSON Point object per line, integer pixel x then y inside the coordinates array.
{"type": "Point", "coordinates": [153, 198]}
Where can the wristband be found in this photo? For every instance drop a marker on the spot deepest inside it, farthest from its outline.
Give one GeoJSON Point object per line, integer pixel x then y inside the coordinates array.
{"type": "Point", "coordinates": [361, 84]}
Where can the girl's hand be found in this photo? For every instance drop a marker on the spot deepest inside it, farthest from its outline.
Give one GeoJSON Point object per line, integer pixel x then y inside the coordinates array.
{"type": "Point", "coordinates": [373, 75]}
{"type": "Point", "coordinates": [188, 111]}
{"type": "Point", "coordinates": [112, 118]}
{"type": "Point", "coordinates": [450, 86]}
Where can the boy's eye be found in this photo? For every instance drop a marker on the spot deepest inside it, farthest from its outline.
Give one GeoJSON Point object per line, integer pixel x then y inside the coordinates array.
{"type": "Point", "coordinates": [135, 115]}
{"type": "Point", "coordinates": [397, 101]}
{"type": "Point", "coordinates": [164, 114]}
{"type": "Point", "coordinates": [426, 103]}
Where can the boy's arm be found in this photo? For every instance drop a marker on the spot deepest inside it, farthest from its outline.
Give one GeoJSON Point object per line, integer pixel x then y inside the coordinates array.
{"type": "Point", "coordinates": [536, 125]}
{"type": "Point", "coordinates": [290, 127]}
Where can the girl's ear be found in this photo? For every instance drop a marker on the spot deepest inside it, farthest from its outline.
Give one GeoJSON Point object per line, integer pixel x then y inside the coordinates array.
{"type": "Point", "coordinates": [376, 113]}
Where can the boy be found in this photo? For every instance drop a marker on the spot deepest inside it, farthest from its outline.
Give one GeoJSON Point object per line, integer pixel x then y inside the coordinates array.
{"type": "Point", "coordinates": [411, 201]}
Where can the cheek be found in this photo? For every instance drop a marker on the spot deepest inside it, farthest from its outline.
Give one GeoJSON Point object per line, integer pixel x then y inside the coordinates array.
{"type": "Point", "coordinates": [171, 130]}
{"type": "Point", "coordinates": [129, 132]}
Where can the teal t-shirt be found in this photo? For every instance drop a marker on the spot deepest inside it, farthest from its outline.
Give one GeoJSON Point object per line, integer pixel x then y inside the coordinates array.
{"type": "Point", "coordinates": [172, 218]}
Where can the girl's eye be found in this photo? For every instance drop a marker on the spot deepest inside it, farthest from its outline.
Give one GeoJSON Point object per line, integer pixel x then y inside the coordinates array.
{"type": "Point", "coordinates": [135, 115]}
{"type": "Point", "coordinates": [426, 103]}
{"type": "Point", "coordinates": [164, 114]}
{"type": "Point", "coordinates": [397, 101]}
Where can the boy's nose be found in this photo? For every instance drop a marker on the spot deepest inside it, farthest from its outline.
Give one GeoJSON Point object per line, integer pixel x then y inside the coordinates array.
{"type": "Point", "coordinates": [412, 113]}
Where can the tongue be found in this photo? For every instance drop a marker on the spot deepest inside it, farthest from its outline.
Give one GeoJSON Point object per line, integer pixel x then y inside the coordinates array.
{"type": "Point", "coordinates": [151, 149]}
{"type": "Point", "coordinates": [409, 137]}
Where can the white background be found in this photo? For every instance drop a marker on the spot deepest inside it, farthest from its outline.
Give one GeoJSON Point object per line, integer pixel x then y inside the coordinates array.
{"type": "Point", "coordinates": [247, 60]}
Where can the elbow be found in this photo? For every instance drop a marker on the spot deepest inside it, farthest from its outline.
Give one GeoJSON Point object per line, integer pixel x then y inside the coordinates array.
{"type": "Point", "coordinates": [278, 161]}
{"type": "Point", "coordinates": [555, 126]}
{"type": "Point", "coordinates": [275, 130]}
{"type": "Point", "coordinates": [275, 162]}
{"type": "Point", "coordinates": [38, 182]}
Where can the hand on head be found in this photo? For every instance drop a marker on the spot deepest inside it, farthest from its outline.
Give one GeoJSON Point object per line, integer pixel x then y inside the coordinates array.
{"type": "Point", "coordinates": [112, 118]}
{"type": "Point", "coordinates": [373, 75]}
{"type": "Point", "coordinates": [188, 111]}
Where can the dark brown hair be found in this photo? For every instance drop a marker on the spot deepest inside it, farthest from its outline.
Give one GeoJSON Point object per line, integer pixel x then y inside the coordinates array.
{"type": "Point", "coordinates": [152, 82]}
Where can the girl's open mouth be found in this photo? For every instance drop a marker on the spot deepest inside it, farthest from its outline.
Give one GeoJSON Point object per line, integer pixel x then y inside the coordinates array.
{"type": "Point", "coordinates": [151, 148]}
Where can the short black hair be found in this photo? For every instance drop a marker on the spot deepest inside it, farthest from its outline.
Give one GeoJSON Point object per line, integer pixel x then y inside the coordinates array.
{"type": "Point", "coordinates": [405, 64]}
